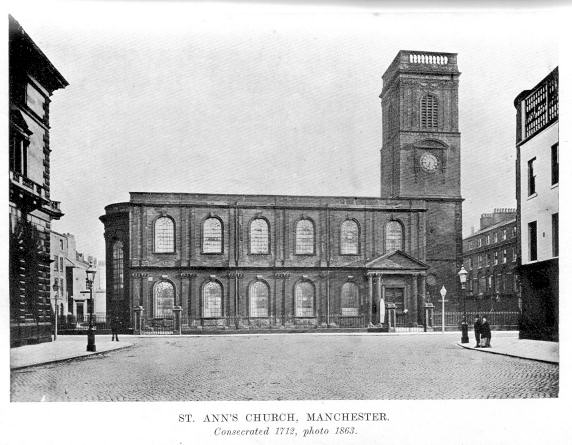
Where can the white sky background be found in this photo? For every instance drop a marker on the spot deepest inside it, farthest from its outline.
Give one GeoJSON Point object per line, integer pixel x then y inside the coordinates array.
{"type": "Point", "coordinates": [175, 97]}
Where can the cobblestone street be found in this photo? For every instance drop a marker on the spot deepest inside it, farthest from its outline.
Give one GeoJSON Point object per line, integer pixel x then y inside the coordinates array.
{"type": "Point", "coordinates": [288, 367]}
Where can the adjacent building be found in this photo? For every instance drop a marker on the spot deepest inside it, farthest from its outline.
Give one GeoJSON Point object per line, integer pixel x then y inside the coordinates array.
{"type": "Point", "coordinates": [68, 267]}
{"type": "Point", "coordinates": [32, 80]}
{"type": "Point", "coordinates": [273, 261]}
{"type": "Point", "coordinates": [490, 258]}
{"type": "Point", "coordinates": [537, 179]}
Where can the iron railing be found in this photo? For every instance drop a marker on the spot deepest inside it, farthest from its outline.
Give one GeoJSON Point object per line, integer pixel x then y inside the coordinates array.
{"type": "Point", "coordinates": [70, 324]}
{"type": "Point", "coordinates": [242, 322]}
{"type": "Point", "coordinates": [158, 326]}
{"type": "Point", "coordinates": [346, 321]}
{"type": "Point", "coordinates": [505, 319]}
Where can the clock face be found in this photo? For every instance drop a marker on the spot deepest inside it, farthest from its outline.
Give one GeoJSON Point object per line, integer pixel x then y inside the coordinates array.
{"type": "Point", "coordinates": [428, 162]}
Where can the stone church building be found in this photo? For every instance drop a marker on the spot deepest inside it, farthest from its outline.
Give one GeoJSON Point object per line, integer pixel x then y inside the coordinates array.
{"type": "Point", "coordinates": [273, 261]}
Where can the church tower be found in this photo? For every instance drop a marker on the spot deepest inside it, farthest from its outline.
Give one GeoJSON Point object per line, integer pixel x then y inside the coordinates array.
{"type": "Point", "coordinates": [420, 155]}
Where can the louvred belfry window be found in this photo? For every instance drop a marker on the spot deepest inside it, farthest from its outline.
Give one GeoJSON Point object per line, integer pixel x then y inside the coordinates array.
{"type": "Point", "coordinates": [429, 112]}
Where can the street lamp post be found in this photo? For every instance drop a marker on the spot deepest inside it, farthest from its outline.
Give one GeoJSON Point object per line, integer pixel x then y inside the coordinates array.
{"type": "Point", "coordinates": [464, 326]}
{"type": "Point", "coordinates": [90, 275]}
{"type": "Point", "coordinates": [56, 289]}
{"type": "Point", "coordinates": [443, 292]}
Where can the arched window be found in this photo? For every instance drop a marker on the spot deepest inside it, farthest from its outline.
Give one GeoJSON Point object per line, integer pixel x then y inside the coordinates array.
{"type": "Point", "coordinates": [349, 238]}
{"type": "Point", "coordinates": [212, 300]}
{"type": "Point", "coordinates": [305, 237]}
{"type": "Point", "coordinates": [212, 235]}
{"type": "Point", "coordinates": [304, 294]}
{"type": "Point", "coordinates": [117, 267]}
{"type": "Point", "coordinates": [393, 236]}
{"type": "Point", "coordinates": [350, 299]}
{"type": "Point", "coordinates": [163, 299]}
{"type": "Point", "coordinates": [259, 236]}
{"type": "Point", "coordinates": [164, 235]}
{"type": "Point", "coordinates": [258, 295]}
{"type": "Point", "coordinates": [429, 111]}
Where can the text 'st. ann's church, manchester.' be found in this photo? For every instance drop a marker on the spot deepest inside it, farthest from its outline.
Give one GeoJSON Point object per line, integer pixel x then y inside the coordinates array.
{"type": "Point", "coordinates": [224, 261]}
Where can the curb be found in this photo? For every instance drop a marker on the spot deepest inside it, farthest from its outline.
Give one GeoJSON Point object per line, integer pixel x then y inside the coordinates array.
{"type": "Point", "coordinates": [319, 333]}
{"type": "Point", "coordinates": [508, 354]}
{"type": "Point", "coordinates": [67, 359]}
{"type": "Point", "coordinates": [260, 334]}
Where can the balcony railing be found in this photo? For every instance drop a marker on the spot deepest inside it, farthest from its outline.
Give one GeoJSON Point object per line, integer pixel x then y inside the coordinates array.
{"type": "Point", "coordinates": [55, 205]}
{"type": "Point", "coordinates": [27, 184]}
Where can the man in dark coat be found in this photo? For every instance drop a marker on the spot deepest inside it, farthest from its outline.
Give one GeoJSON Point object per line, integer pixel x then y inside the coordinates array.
{"type": "Point", "coordinates": [486, 333]}
{"type": "Point", "coordinates": [115, 326]}
{"type": "Point", "coordinates": [477, 327]}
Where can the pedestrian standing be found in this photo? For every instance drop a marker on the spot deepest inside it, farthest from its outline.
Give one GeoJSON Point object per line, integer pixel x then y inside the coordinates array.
{"type": "Point", "coordinates": [115, 324]}
{"type": "Point", "coordinates": [485, 333]}
{"type": "Point", "coordinates": [477, 327]}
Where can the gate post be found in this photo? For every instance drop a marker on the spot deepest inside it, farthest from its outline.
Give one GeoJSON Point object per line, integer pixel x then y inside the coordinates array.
{"type": "Point", "coordinates": [429, 307]}
{"type": "Point", "coordinates": [391, 319]}
{"type": "Point", "coordinates": [177, 311]}
{"type": "Point", "coordinates": [138, 319]}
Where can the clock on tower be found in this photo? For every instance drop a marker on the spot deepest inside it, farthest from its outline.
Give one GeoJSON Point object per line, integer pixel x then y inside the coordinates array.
{"type": "Point", "coordinates": [421, 153]}
{"type": "Point", "coordinates": [420, 157]}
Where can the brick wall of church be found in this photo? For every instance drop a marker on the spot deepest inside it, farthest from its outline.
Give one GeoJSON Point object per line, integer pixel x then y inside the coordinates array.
{"type": "Point", "coordinates": [188, 268]}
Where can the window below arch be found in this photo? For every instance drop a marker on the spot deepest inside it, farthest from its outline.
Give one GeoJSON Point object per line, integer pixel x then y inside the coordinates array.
{"type": "Point", "coordinates": [212, 235]}
{"type": "Point", "coordinates": [304, 296]}
{"type": "Point", "coordinates": [259, 236]}
{"type": "Point", "coordinates": [349, 238]}
{"type": "Point", "coordinates": [350, 299]}
{"type": "Point", "coordinates": [212, 300]}
{"type": "Point", "coordinates": [258, 294]}
{"type": "Point", "coordinates": [117, 268]}
{"type": "Point", "coordinates": [304, 237]}
{"type": "Point", "coordinates": [429, 112]}
{"type": "Point", "coordinates": [393, 236]}
{"type": "Point", "coordinates": [163, 299]}
{"type": "Point", "coordinates": [164, 235]}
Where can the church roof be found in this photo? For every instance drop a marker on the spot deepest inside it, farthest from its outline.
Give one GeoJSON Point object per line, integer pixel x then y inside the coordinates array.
{"type": "Point", "coordinates": [277, 201]}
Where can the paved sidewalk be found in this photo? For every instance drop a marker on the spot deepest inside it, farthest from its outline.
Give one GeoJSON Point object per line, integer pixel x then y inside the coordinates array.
{"type": "Point", "coordinates": [66, 347]}
{"type": "Point", "coordinates": [542, 351]}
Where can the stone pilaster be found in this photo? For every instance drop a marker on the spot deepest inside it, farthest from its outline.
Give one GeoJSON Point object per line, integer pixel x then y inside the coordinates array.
{"type": "Point", "coordinates": [370, 299]}
{"type": "Point", "coordinates": [415, 297]}
{"type": "Point", "coordinates": [187, 279]}
{"type": "Point", "coordinates": [284, 308]}
{"type": "Point", "coordinates": [422, 298]}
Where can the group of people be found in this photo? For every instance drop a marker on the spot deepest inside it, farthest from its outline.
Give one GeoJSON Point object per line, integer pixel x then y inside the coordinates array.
{"type": "Point", "coordinates": [482, 332]}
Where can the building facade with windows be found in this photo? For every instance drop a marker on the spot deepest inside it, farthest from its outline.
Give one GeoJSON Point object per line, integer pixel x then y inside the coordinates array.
{"type": "Point", "coordinates": [537, 175]}
{"type": "Point", "coordinates": [68, 270]}
{"type": "Point", "coordinates": [32, 80]}
{"type": "Point", "coordinates": [490, 258]}
{"type": "Point", "coordinates": [273, 261]}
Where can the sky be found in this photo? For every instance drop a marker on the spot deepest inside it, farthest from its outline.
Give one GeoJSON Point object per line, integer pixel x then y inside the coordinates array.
{"type": "Point", "coordinates": [179, 97]}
